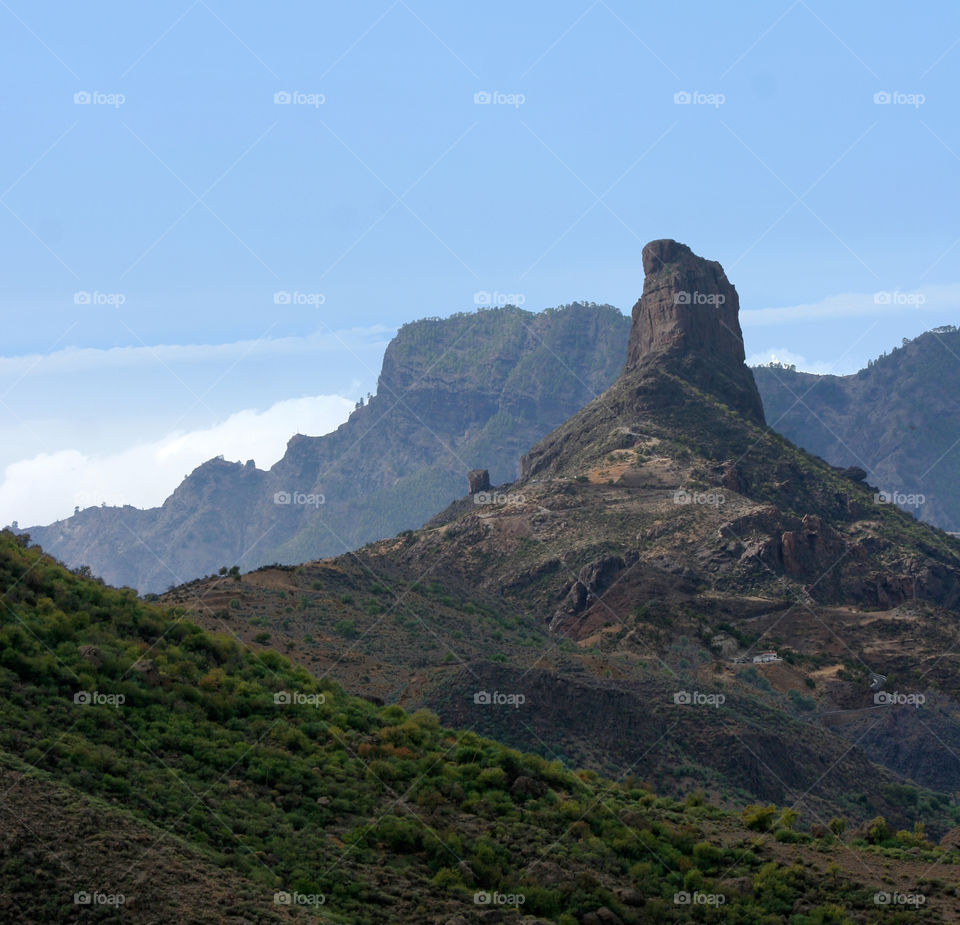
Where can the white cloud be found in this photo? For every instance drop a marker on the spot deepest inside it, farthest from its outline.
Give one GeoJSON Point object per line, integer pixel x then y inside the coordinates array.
{"type": "Point", "coordinates": [854, 304]}
{"type": "Point", "coordinates": [79, 359]}
{"type": "Point", "coordinates": [49, 486]}
{"type": "Point", "coordinates": [783, 355]}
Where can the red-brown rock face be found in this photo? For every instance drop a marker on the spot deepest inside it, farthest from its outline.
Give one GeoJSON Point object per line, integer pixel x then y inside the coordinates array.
{"type": "Point", "coordinates": [689, 312]}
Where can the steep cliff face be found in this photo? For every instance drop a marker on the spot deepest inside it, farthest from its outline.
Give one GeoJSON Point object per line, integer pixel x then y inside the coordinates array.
{"type": "Point", "coordinates": [470, 391]}
{"type": "Point", "coordinates": [689, 318]}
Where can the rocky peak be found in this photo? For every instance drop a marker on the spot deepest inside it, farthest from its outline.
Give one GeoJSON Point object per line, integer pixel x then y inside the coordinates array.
{"type": "Point", "coordinates": [478, 480]}
{"type": "Point", "coordinates": [689, 315]}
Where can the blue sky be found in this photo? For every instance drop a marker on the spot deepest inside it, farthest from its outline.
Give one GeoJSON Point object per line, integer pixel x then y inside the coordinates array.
{"type": "Point", "coordinates": [183, 198]}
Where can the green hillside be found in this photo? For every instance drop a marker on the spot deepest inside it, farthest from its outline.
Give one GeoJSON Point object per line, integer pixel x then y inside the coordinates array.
{"type": "Point", "coordinates": [358, 813]}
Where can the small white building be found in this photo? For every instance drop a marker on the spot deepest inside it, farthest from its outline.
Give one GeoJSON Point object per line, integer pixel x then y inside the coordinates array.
{"type": "Point", "coordinates": [763, 657]}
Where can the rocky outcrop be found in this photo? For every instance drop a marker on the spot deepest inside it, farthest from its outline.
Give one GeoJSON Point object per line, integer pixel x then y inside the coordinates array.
{"type": "Point", "coordinates": [689, 312]}
{"type": "Point", "coordinates": [147, 669]}
{"type": "Point", "coordinates": [593, 579]}
{"type": "Point", "coordinates": [951, 841]}
{"type": "Point", "coordinates": [528, 787]}
{"type": "Point", "coordinates": [685, 349]}
{"type": "Point", "coordinates": [603, 916]}
{"type": "Point", "coordinates": [478, 480]}
{"type": "Point", "coordinates": [854, 473]}
{"type": "Point", "coordinates": [812, 549]}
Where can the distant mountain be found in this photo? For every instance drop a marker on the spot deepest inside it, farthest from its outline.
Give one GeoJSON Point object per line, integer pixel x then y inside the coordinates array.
{"type": "Point", "coordinates": [477, 390]}
{"type": "Point", "coordinates": [898, 419]}
{"type": "Point", "coordinates": [472, 390]}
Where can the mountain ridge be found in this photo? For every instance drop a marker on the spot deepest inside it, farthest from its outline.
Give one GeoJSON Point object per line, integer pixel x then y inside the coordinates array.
{"type": "Point", "coordinates": [892, 419]}
{"type": "Point", "coordinates": [473, 390]}
{"type": "Point", "coordinates": [221, 514]}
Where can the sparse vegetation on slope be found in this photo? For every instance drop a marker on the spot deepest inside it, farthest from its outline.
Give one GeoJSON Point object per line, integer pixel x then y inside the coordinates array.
{"type": "Point", "coordinates": [301, 789]}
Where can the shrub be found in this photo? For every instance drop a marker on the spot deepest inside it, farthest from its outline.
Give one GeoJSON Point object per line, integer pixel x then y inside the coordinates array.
{"type": "Point", "coordinates": [759, 818]}
{"type": "Point", "coordinates": [837, 825]}
{"type": "Point", "coordinates": [801, 701]}
{"type": "Point", "coordinates": [492, 779]}
{"type": "Point", "coordinates": [878, 831]}
{"type": "Point", "coordinates": [346, 628]}
{"type": "Point", "coordinates": [447, 878]}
